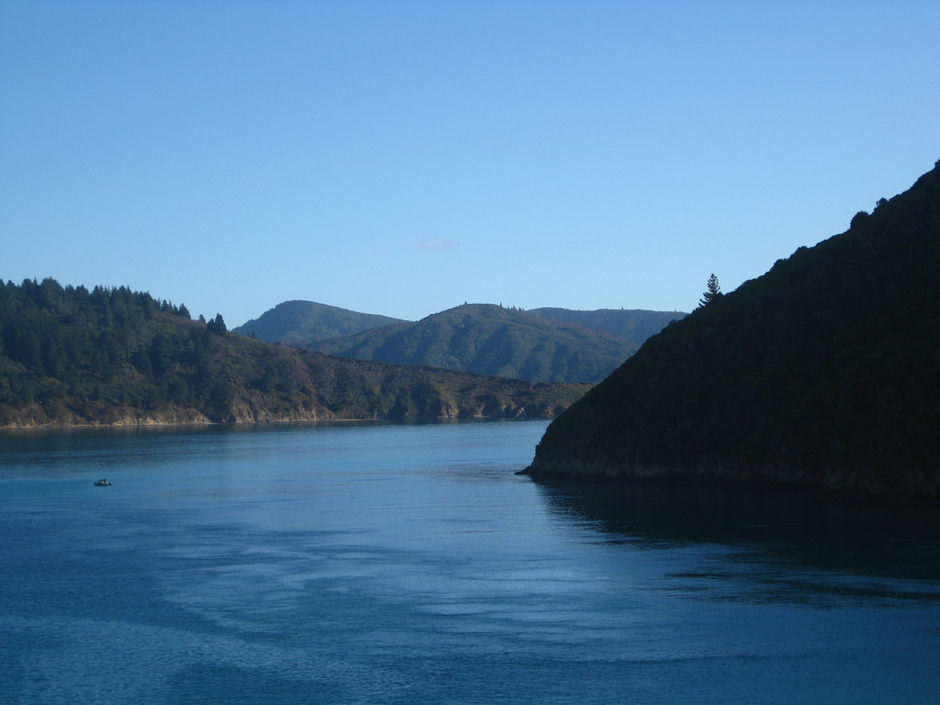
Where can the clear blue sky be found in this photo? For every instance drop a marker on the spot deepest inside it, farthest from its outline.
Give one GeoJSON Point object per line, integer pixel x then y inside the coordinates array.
{"type": "Point", "coordinates": [404, 157]}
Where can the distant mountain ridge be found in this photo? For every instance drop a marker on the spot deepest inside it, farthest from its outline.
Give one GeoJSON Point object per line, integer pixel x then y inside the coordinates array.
{"type": "Point", "coordinates": [633, 325]}
{"type": "Point", "coordinates": [305, 323]}
{"type": "Point", "coordinates": [548, 345]}
{"type": "Point", "coordinates": [491, 340]}
{"type": "Point", "coordinates": [823, 372]}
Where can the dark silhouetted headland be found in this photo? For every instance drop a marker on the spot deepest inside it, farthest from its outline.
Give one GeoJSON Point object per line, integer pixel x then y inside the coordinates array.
{"type": "Point", "coordinates": [823, 372]}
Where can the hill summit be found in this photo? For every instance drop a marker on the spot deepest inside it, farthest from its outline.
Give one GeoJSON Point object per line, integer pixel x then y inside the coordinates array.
{"type": "Point", "coordinates": [823, 372]}
{"type": "Point", "coordinates": [305, 323]}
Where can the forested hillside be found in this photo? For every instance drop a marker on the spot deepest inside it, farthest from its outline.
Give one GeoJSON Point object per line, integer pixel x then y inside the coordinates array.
{"type": "Point", "coordinates": [114, 356]}
{"type": "Point", "coordinates": [633, 325]}
{"type": "Point", "coordinates": [824, 372]}
{"type": "Point", "coordinates": [491, 340]}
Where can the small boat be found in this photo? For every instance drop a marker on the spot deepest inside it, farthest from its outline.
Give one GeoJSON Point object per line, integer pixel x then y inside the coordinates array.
{"type": "Point", "coordinates": [103, 483]}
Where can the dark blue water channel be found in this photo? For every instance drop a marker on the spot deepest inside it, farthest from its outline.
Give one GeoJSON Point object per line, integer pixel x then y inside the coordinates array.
{"type": "Point", "coordinates": [408, 564]}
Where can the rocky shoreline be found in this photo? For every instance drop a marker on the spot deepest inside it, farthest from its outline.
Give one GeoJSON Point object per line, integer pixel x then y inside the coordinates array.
{"type": "Point", "coordinates": [129, 418]}
{"type": "Point", "coordinates": [860, 481]}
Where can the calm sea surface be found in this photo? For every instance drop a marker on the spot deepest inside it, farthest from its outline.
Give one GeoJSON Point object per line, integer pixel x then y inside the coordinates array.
{"type": "Point", "coordinates": [407, 564]}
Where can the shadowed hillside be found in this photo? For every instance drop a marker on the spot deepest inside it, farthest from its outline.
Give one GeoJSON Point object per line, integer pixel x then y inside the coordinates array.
{"type": "Point", "coordinates": [823, 372]}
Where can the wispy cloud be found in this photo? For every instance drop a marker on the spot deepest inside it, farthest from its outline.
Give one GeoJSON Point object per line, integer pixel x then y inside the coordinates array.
{"type": "Point", "coordinates": [438, 243]}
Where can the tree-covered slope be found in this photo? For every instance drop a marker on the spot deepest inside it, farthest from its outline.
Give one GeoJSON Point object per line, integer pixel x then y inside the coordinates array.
{"type": "Point", "coordinates": [824, 372]}
{"type": "Point", "coordinates": [632, 325]}
{"type": "Point", "coordinates": [491, 340]}
{"type": "Point", "coordinates": [305, 323]}
{"type": "Point", "coordinates": [113, 356]}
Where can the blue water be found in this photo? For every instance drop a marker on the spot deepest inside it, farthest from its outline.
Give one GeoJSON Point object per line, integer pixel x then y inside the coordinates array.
{"type": "Point", "coordinates": [408, 564]}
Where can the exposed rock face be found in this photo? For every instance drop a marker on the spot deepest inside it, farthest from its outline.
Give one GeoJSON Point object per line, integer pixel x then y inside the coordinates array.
{"type": "Point", "coordinates": [121, 417]}
{"type": "Point", "coordinates": [824, 373]}
{"type": "Point", "coordinates": [433, 408]}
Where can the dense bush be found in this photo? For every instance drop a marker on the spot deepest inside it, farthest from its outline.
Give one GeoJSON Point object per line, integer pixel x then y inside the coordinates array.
{"type": "Point", "coordinates": [70, 356]}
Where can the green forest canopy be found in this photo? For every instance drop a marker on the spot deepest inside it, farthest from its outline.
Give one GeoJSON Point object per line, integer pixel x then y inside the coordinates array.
{"type": "Point", "coordinates": [69, 355]}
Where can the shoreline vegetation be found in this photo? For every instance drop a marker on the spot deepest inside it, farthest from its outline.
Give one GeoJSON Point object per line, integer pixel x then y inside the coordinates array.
{"type": "Point", "coordinates": [151, 424]}
{"type": "Point", "coordinates": [824, 372]}
{"type": "Point", "coordinates": [70, 357]}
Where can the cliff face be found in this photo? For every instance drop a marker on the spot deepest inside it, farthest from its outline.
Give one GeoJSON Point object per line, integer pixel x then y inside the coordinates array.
{"type": "Point", "coordinates": [823, 372]}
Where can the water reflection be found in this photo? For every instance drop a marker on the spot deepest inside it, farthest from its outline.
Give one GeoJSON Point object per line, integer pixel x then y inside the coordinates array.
{"type": "Point", "coordinates": [856, 535]}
